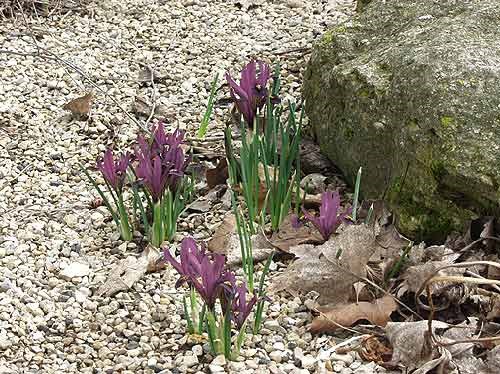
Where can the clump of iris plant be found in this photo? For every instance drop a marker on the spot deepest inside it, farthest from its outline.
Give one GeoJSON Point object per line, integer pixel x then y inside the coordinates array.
{"type": "Point", "coordinates": [226, 303]}
{"type": "Point", "coordinates": [251, 93]}
{"type": "Point", "coordinates": [161, 164]}
{"type": "Point", "coordinates": [330, 217]}
{"type": "Point", "coordinates": [114, 172]}
{"type": "Point", "coordinates": [159, 189]}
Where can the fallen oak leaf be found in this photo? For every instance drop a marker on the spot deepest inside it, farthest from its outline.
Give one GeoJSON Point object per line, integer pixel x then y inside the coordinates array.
{"type": "Point", "coordinates": [372, 349]}
{"type": "Point", "coordinates": [287, 236]}
{"type": "Point", "coordinates": [217, 175]}
{"type": "Point", "coordinates": [227, 242]}
{"type": "Point", "coordinates": [219, 241]}
{"type": "Point", "coordinates": [377, 312]}
{"type": "Point", "coordinates": [321, 269]}
{"type": "Point", "coordinates": [80, 106]}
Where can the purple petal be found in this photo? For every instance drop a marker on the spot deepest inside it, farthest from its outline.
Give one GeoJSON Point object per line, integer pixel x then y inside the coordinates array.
{"type": "Point", "coordinates": [294, 219]}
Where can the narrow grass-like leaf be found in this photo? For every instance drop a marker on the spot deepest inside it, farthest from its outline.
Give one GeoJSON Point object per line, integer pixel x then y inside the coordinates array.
{"type": "Point", "coordinates": [138, 201]}
{"type": "Point", "coordinates": [103, 196]}
{"type": "Point", "coordinates": [262, 296]}
{"type": "Point", "coordinates": [188, 316]}
{"type": "Point", "coordinates": [369, 215]}
{"type": "Point", "coordinates": [227, 332]}
{"type": "Point", "coordinates": [396, 268]}
{"type": "Point", "coordinates": [210, 106]}
{"type": "Point", "coordinates": [201, 319]}
{"type": "Point", "coordinates": [212, 333]}
{"type": "Point", "coordinates": [239, 341]}
{"type": "Point", "coordinates": [356, 196]}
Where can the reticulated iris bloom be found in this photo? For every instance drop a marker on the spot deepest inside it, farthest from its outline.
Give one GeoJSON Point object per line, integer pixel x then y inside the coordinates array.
{"type": "Point", "coordinates": [240, 307]}
{"type": "Point", "coordinates": [213, 279]}
{"type": "Point", "coordinates": [189, 265]}
{"type": "Point", "coordinates": [251, 94]}
{"type": "Point", "coordinates": [329, 218]}
{"type": "Point", "coordinates": [153, 175]}
{"type": "Point", "coordinates": [174, 158]}
{"type": "Point", "coordinates": [114, 171]}
{"type": "Point", "coordinates": [206, 272]}
{"type": "Point", "coordinates": [162, 163]}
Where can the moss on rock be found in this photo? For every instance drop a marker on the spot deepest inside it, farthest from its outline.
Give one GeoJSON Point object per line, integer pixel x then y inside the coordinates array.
{"type": "Point", "coordinates": [411, 91]}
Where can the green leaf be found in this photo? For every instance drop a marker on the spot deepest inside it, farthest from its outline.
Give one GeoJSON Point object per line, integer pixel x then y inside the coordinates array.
{"type": "Point", "coordinates": [103, 196]}
{"type": "Point", "coordinates": [356, 196]}
{"type": "Point", "coordinates": [210, 106]}
{"type": "Point", "coordinates": [188, 316]}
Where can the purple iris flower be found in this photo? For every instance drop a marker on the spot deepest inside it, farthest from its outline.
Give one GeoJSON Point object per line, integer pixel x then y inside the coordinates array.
{"type": "Point", "coordinates": [295, 221]}
{"type": "Point", "coordinates": [251, 94]}
{"type": "Point", "coordinates": [114, 171]}
{"type": "Point", "coordinates": [189, 265]}
{"type": "Point", "coordinates": [329, 218]}
{"type": "Point", "coordinates": [153, 175]}
{"type": "Point", "coordinates": [162, 163]}
{"type": "Point", "coordinates": [240, 307]}
{"type": "Point", "coordinates": [206, 272]}
{"type": "Point", "coordinates": [213, 279]}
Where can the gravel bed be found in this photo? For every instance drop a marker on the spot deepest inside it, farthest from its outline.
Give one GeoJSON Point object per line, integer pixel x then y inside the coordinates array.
{"type": "Point", "coordinates": [56, 250]}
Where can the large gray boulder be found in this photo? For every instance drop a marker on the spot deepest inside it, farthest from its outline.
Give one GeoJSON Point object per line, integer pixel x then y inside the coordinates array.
{"type": "Point", "coordinates": [410, 90]}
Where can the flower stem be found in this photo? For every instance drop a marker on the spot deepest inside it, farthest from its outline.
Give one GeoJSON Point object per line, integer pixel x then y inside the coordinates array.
{"type": "Point", "coordinates": [125, 230]}
{"type": "Point", "coordinates": [157, 234]}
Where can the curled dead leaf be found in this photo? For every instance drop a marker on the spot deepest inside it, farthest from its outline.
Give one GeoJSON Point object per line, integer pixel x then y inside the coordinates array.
{"type": "Point", "coordinates": [413, 348]}
{"type": "Point", "coordinates": [372, 349]}
{"type": "Point", "coordinates": [217, 175]}
{"type": "Point", "coordinates": [287, 236]}
{"type": "Point", "coordinates": [377, 312]}
{"type": "Point", "coordinates": [227, 242]}
{"type": "Point", "coordinates": [81, 105]}
{"type": "Point", "coordinates": [333, 267]}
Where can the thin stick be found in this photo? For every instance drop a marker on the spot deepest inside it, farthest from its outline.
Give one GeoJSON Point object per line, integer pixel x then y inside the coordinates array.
{"type": "Point", "coordinates": [380, 289]}
{"type": "Point", "coordinates": [86, 77]}
{"type": "Point", "coordinates": [472, 274]}
{"type": "Point", "coordinates": [153, 93]}
{"type": "Point", "coordinates": [456, 279]}
{"type": "Point", "coordinates": [347, 342]}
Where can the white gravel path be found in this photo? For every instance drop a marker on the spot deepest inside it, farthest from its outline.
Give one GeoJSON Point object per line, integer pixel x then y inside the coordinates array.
{"type": "Point", "coordinates": [55, 250]}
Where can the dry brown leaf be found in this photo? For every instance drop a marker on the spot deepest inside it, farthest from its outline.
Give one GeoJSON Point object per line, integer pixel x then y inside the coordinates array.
{"type": "Point", "coordinates": [415, 276]}
{"type": "Point", "coordinates": [81, 105]}
{"type": "Point", "coordinates": [219, 241]}
{"type": "Point", "coordinates": [145, 74]}
{"type": "Point", "coordinates": [226, 241]}
{"type": "Point", "coordinates": [319, 269]}
{"type": "Point", "coordinates": [200, 205]}
{"type": "Point", "coordinates": [358, 287]}
{"type": "Point", "coordinates": [495, 309]}
{"type": "Point", "coordinates": [413, 349]}
{"type": "Point", "coordinates": [142, 107]}
{"type": "Point", "coordinates": [374, 350]}
{"type": "Point", "coordinates": [217, 175]}
{"type": "Point", "coordinates": [410, 345]}
{"type": "Point", "coordinates": [377, 312]}
{"type": "Point", "coordinates": [493, 272]}
{"type": "Point", "coordinates": [128, 271]}
{"type": "Point", "coordinates": [287, 236]}
{"type": "Point", "coordinates": [391, 242]}
{"type": "Point", "coordinates": [380, 213]}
